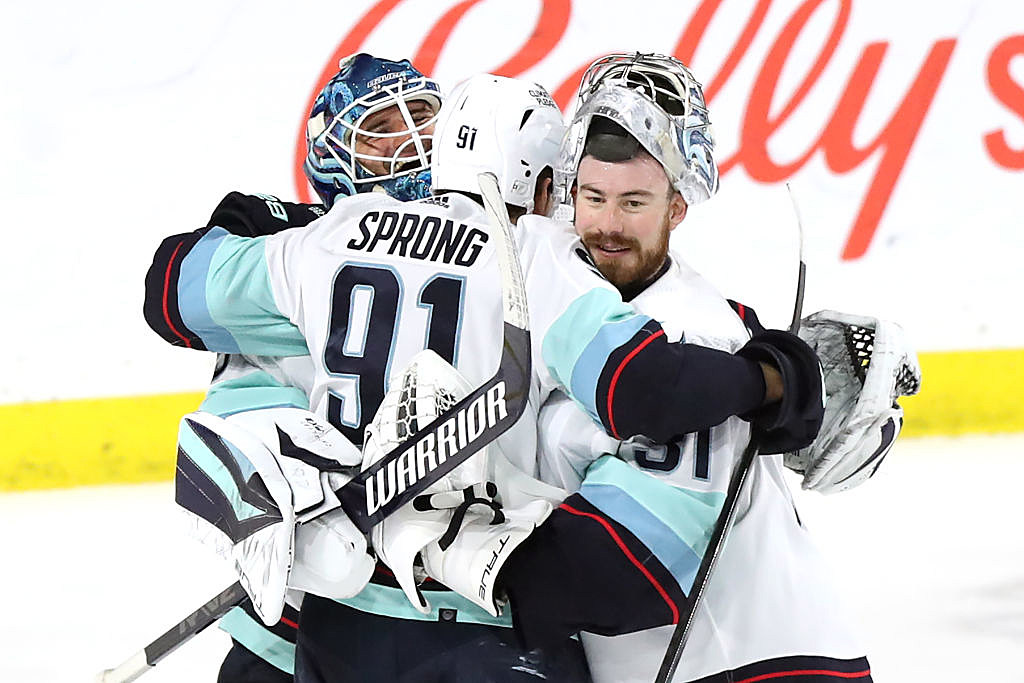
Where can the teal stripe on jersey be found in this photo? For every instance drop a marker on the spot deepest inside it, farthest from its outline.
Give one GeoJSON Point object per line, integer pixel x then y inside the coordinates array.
{"type": "Point", "coordinates": [238, 275]}
{"type": "Point", "coordinates": [392, 602]}
{"type": "Point", "coordinates": [676, 524]}
{"type": "Point", "coordinates": [240, 299]}
{"type": "Point", "coordinates": [192, 293]}
{"type": "Point", "coordinates": [578, 344]}
{"type": "Point", "coordinates": [253, 391]}
{"type": "Point", "coordinates": [258, 639]}
{"type": "Point", "coordinates": [209, 463]}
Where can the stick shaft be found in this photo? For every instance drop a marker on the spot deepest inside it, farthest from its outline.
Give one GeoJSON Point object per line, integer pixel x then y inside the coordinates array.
{"type": "Point", "coordinates": [725, 518]}
{"type": "Point", "coordinates": [143, 660]}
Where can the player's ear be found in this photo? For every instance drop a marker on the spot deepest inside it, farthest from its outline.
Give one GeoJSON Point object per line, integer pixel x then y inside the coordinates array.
{"type": "Point", "coordinates": [676, 210]}
{"type": "Point", "coordinates": [543, 194]}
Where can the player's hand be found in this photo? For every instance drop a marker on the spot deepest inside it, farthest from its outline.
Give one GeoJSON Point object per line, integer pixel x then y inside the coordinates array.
{"type": "Point", "coordinates": [254, 215]}
{"type": "Point", "coordinates": [792, 420]}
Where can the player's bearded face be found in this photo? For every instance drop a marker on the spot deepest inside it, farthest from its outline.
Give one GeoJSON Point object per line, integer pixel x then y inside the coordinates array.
{"type": "Point", "coordinates": [624, 214]}
{"type": "Point", "coordinates": [387, 133]}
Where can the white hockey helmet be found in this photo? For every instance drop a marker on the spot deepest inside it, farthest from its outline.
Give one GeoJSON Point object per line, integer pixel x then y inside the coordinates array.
{"type": "Point", "coordinates": [492, 124]}
{"type": "Point", "coordinates": [655, 99]}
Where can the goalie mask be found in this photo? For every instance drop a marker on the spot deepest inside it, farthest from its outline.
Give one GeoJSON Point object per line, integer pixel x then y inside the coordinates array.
{"type": "Point", "coordinates": [353, 147]}
{"type": "Point", "coordinates": [655, 99]}
{"type": "Point", "coordinates": [504, 126]}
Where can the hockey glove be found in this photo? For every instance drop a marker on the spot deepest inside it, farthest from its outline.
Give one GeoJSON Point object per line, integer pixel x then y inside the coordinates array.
{"type": "Point", "coordinates": [253, 215]}
{"type": "Point", "coordinates": [426, 388]}
{"type": "Point", "coordinates": [794, 421]}
{"type": "Point", "coordinates": [868, 366]}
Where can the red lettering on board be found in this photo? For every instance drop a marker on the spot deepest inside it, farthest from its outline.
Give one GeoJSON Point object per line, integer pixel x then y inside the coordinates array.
{"type": "Point", "coordinates": [1010, 93]}
{"type": "Point", "coordinates": [763, 116]}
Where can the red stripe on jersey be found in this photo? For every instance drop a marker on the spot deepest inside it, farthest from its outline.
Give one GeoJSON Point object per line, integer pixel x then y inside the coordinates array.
{"type": "Point", "coordinates": [167, 285]}
{"type": "Point", "coordinates": [807, 672]}
{"type": "Point", "coordinates": [741, 311]}
{"type": "Point", "coordinates": [615, 379]}
{"type": "Point", "coordinates": [630, 556]}
{"type": "Point", "coordinates": [288, 622]}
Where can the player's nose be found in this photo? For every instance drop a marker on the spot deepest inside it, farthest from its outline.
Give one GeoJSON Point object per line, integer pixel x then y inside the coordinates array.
{"type": "Point", "coordinates": [400, 145]}
{"type": "Point", "coordinates": [610, 220]}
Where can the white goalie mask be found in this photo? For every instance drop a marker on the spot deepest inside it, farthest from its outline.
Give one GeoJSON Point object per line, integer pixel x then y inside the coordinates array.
{"type": "Point", "coordinates": [655, 99]}
{"type": "Point", "coordinates": [491, 124]}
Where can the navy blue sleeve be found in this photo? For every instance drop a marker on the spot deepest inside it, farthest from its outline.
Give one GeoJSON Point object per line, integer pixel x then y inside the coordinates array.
{"type": "Point", "coordinates": [160, 305]}
{"type": "Point", "coordinates": [663, 390]}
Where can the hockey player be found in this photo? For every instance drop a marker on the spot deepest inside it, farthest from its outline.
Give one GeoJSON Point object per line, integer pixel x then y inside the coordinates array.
{"type": "Point", "coordinates": [340, 256]}
{"type": "Point", "coordinates": [455, 635]}
{"type": "Point", "coordinates": [769, 611]}
{"type": "Point", "coordinates": [369, 130]}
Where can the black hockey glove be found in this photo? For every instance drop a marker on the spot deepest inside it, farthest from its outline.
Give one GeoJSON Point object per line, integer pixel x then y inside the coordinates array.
{"type": "Point", "coordinates": [254, 215]}
{"type": "Point", "coordinates": [794, 421]}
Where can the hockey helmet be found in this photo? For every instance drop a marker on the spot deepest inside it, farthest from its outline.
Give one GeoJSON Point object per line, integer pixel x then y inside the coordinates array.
{"type": "Point", "coordinates": [492, 124]}
{"type": "Point", "coordinates": [363, 86]}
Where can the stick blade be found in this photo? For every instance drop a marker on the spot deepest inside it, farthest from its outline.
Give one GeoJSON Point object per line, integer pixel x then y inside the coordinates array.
{"type": "Point", "coordinates": [130, 670]}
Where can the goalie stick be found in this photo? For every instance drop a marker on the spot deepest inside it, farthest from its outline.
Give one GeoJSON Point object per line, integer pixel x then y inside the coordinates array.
{"type": "Point", "coordinates": [494, 406]}
{"type": "Point", "coordinates": [146, 658]}
{"type": "Point", "coordinates": [499, 401]}
{"type": "Point", "coordinates": [725, 518]}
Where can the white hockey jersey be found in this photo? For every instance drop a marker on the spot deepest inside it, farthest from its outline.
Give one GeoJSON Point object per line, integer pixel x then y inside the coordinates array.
{"type": "Point", "coordinates": [769, 595]}
{"type": "Point", "coordinates": [364, 288]}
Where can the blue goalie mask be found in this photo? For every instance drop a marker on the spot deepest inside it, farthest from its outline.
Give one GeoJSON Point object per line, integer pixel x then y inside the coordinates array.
{"type": "Point", "coordinates": [370, 129]}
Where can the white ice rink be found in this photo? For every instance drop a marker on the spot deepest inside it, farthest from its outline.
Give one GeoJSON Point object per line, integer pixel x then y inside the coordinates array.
{"type": "Point", "coordinates": [930, 552]}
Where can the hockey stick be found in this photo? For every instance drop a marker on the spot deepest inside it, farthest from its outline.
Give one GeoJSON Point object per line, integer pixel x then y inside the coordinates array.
{"type": "Point", "coordinates": [490, 410]}
{"type": "Point", "coordinates": [725, 518]}
{"type": "Point", "coordinates": [146, 658]}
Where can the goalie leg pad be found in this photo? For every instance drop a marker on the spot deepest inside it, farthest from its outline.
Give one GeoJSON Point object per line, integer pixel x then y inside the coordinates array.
{"type": "Point", "coordinates": [249, 478]}
{"type": "Point", "coordinates": [228, 479]}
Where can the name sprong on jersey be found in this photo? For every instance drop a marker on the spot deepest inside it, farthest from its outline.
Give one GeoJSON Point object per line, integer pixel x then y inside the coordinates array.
{"type": "Point", "coordinates": [426, 238]}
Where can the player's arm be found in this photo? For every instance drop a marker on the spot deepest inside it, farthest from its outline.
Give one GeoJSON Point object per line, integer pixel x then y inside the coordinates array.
{"type": "Point", "coordinates": [620, 368]}
{"type": "Point", "coordinates": [254, 215]}
{"type": "Point", "coordinates": [237, 214]}
{"type": "Point", "coordinates": [211, 290]}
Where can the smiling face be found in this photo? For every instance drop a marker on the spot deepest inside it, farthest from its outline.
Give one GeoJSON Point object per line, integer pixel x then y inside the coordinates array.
{"type": "Point", "coordinates": [386, 134]}
{"type": "Point", "coordinates": [624, 214]}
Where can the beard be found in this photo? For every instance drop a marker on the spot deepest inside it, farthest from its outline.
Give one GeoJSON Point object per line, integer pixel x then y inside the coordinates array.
{"type": "Point", "coordinates": [629, 272]}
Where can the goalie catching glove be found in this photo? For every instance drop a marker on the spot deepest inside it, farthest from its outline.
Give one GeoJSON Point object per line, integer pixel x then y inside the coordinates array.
{"type": "Point", "coordinates": [458, 526]}
{"type": "Point", "coordinates": [259, 486]}
{"type": "Point", "coordinates": [867, 366]}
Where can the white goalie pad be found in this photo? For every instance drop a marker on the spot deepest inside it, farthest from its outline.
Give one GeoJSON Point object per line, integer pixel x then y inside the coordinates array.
{"type": "Point", "coordinates": [867, 367]}
{"type": "Point", "coordinates": [427, 387]}
{"type": "Point", "coordinates": [249, 478]}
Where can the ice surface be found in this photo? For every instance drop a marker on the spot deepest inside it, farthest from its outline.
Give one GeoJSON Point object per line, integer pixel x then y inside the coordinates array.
{"type": "Point", "coordinates": [930, 553]}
